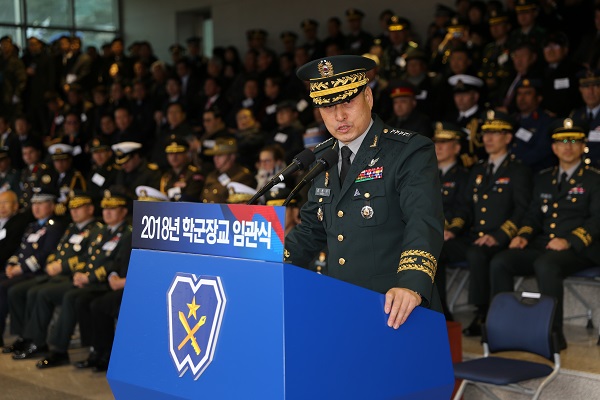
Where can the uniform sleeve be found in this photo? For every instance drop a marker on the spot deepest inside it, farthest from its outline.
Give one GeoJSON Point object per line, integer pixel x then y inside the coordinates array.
{"type": "Point", "coordinates": [420, 199]}
{"type": "Point", "coordinates": [533, 219]}
{"type": "Point", "coordinates": [458, 219]}
{"type": "Point", "coordinates": [583, 236]}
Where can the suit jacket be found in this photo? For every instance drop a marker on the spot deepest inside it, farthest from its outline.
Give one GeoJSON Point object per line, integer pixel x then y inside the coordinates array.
{"type": "Point", "coordinates": [383, 226]}
{"type": "Point", "coordinates": [11, 234]}
{"type": "Point", "coordinates": [572, 213]}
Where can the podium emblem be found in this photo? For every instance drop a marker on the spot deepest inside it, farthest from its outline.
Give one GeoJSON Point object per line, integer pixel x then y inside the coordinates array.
{"type": "Point", "coordinates": [195, 309]}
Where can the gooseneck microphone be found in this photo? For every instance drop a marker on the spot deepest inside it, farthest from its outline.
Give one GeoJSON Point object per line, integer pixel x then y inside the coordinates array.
{"type": "Point", "coordinates": [328, 159]}
{"type": "Point", "coordinates": [300, 162]}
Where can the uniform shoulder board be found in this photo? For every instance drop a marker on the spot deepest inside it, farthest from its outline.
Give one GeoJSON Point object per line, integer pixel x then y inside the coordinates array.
{"type": "Point", "coordinates": [43, 166]}
{"type": "Point", "coordinates": [546, 170]}
{"type": "Point", "coordinates": [193, 168]}
{"type": "Point", "coordinates": [109, 168]}
{"type": "Point", "coordinates": [153, 167]}
{"type": "Point", "coordinates": [593, 169]}
{"type": "Point", "coordinates": [398, 134]}
{"type": "Point", "coordinates": [322, 144]}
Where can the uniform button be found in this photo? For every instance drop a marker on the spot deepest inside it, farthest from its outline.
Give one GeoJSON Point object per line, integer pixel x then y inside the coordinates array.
{"type": "Point", "coordinates": [340, 238]}
{"type": "Point", "coordinates": [554, 215]}
{"type": "Point", "coordinates": [93, 258]}
{"type": "Point", "coordinates": [66, 245]}
{"type": "Point", "coordinates": [574, 200]}
{"type": "Point", "coordinates": [98, 251]}
{"type": "Point", "coordinates": [205, 201]}
{"type": "Point", "coordinates": [555, 205]}
{"type": "Point", "coordinates": [367, 195]}
{"type": "Point", "coordinates": [481, 234]}
{"type": "Point", "coordinates": [205, 190]}
{"type": "Point", "coordinates": [482, 222]}
{"type": "Point", "coordinates": [483, 209]}
{"type": "Point", "coordinates": [90, 265]}
{"type": "Point", "coordinates": [215, 191]}
{"type": "Point", "coordinates": [499, 190]}
{"type": "Point", "coordinates": [475, 190]}
{"type": "Point", "coordinates": [62, 253]}
{"type": "Point", "coordinates": [485, 196]}
{"type": "Point", "coordinates": [320, 200]}
{"type": "Point", "coordinates": [552, 236]}
{"type": "Point", "coordinates": [445, 193]}
{"type": "Point", "coordinates": [385, 131]}
{"type": "Point", "coordinates": [340, 213]}
{"type": "Point", "coordinates": [553, 225]}
{"type": "Point", "coordinates": [342, 261]}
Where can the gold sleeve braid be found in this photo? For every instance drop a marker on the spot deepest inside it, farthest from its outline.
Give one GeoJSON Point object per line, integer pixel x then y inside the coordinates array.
{"type": "Point", "coordinates": [583, 235]}
{"type": "Point", "coordinates": [418, 260]}
{"type": "Point", "coordinates": [100, 274]}
{"type": "Point", "coordinates": [456, 223]}
{"type": "Point", "coordinates": [510, 229]}
{"type": "Point", "coordinates": [525, 230]}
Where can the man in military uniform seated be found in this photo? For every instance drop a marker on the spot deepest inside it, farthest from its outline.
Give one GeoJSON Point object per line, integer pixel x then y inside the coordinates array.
{"type": "Point", "coordinates": [183, 181]}
{"type": "Point", "coordinates": [559, 233]}
{"type": "Point", "coordinates": [88, 282]}
{"type": "Point", "coordinates": [226, 170]}
{"type": "Point", "coordinates": [289, 130]}
{"type": "Point", "coordinates": [103, 173]}
{"type": "Point", "coordinates": [33, 171]}
{"type": "Point", "coordinates": [454, 179]}
{"type": "Point", "coordinates": [38, 241]}
{"type": "Point", "coordinates": [497, 197]}
{"type": "Point", "coordinates": [589, 88]}
{"type": "Point", "coordinates": [495, 62]}
{"type": "Point", "coordinates": [60, 265]}
{"type": "Point", "coordinates": [9, 177]}
{"type": "Point", "coordinates": [379, 209]}
{"type": "Point", "coordinates": [63, 177]}
{"type": "Point", "coordinates": [134, 169]}
{"type": "Point", "coordinates": [406, 115]}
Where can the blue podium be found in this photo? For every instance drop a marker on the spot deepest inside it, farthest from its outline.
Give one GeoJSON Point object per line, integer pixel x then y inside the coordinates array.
{"type": "Point", "coordinates": [226, 320]}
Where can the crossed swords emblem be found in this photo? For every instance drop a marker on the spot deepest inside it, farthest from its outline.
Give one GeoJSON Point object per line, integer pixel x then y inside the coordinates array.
{"type": "Point", "coordinates": [191, 332]}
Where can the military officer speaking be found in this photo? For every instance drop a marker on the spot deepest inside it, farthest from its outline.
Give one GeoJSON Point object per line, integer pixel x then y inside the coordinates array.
{"type": "Point", "coordinates": [559, 234]}
{"type": "Point", "coordinates": [379, 209]}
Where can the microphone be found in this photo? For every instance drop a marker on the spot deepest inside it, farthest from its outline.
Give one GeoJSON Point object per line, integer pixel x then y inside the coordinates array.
{"type": "Point", "coordinates": [329, 158]}
{"type": "Point", "coordinates": [301, 161]}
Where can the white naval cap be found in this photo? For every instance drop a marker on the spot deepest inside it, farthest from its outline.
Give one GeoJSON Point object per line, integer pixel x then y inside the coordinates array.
{"type": "Point", "coordinates": [462, 82]}
{"type": "Point", "coordinates": [60, 151]}
{"type": "Point", "coordinates": [124, 150]}
{"type": "Point", "coordinates": [148, 193]}
{"type": "Point", "coordinates": [239, 193]}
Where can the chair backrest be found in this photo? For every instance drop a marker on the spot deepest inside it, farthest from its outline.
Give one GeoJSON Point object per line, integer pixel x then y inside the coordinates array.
{"type": "Point", "coordinates": [516, 323]}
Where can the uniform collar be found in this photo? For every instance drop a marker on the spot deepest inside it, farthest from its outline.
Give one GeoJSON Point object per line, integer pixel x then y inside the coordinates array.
{"type": "Point", "coordinates": [570, 171]}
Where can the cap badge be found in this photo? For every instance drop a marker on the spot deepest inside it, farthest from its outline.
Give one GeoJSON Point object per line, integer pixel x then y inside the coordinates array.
{"type": "Point", "coordinates": [325, 68]}
{"type": "Point", "coordinates": [568, 123]}
{"type": "Point", "coordinates": [107, 194]}
{"type": "Point", "coordinates": [491, 114]}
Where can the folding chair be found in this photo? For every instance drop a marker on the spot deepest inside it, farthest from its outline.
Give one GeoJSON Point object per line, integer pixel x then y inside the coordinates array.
{"type": "Point", "coordinates": [588, 277]}
{"type": "Point", "coordinates": [515, 322]}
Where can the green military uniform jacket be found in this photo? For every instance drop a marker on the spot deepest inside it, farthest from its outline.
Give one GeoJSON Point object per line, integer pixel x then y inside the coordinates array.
{"type": "Point", "coordinates": [194, 182]}
{"type": "Point", "coordinates": [384, 227]}
{"type": "Point", "coordinates": [103, 249]}
{"type": "Point", "coordinates": [146, 174]}
{"type": "Point", "coordinates": [215, 186]}
{"type": "Point", "coordinates": [572, 213]}
{"type": "Point", "coordinates": [498, 203]}
{"type": "Point", "coordinates": [71, 250]}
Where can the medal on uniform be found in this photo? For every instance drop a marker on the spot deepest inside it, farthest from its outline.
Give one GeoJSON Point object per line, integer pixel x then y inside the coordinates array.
{"type": "Point", "coordinates": [320, 214]}
{"type": "Point", "coordinates": [479, 179]}
{"type": "Point", "coordinates": [367, 212]}
{"type": "Point", "coordinates": [77, 247]}
{"type": "Point", "coordinates": [475, 198]}
{"type": "Point", "coordinates": [326, 179]}
{"type": "Point", "coordinates": [545, 208]}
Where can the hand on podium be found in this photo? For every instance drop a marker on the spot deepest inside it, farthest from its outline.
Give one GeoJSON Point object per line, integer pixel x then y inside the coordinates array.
{"type": "Point", "coordinates": [399, 303]}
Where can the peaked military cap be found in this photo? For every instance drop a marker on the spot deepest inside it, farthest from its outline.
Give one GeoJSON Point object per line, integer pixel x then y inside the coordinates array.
{"type": "Point", "coordinates": [395, 23]}
{"type": "Point", "coordinates": [530, 83]}
{"type": "Point", "coordinates": [497, 17]}
{"type": "Point", "coordinates": [124, 151]}
{"type": "Point", "coordinates": [239, 193]}
{"type": "Point", "coordinates": [78, 198]}
{"type": "Point", "coordinates": [309, 23]}
{"type": "Point", "coordinates": [496, 121]}
{"type": "Point", "coordinates": [464, 83]}
{"type": "Point", "coordinates": [402, 89]}
{"type": "Point", "coordinates": [148, 193]}
{"type": "Point", "coordinates": [177, 144]}
{"type": "Point", "coordinates": [526, 5]}
{"type": "Point", "coordinates": [60, 151]}
{"type": "Point", "coordinates": [43, 194]}
{"type": "Point", "coordinates": [32, 142]}
{"type": "Point", "coordinates": [354, 13]}
{"type": "Point", "coordinates": [325, 75]}
{"type": "Point", "coordinates": [115, 197]}
{"type": "Point", "coordinates": [457, 24]}
{"type": "Point", "coordinates": [447, 131]}
{"type": "Point", "coordinates": [99, 143]}
{"type": "Point", "coordinates": [589, 77]}
{"type": "Point", "coordinates": [568, 129]}
{"type": "Point", "coordinates": [414, 53]}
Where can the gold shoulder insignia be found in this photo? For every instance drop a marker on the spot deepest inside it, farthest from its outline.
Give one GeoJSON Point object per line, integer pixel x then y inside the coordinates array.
{"type": "Point", "coordinates": [43, 166]}
{"type": "Point", "coordinates": [193, 168]}
{"type": "Point", "coordinates": [324, 143]}
{"type": "Point", "coordinates": [153, 166]}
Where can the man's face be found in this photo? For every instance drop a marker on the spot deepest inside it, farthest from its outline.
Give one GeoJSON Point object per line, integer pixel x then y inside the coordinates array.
{"type": "Point", "coordinates": [131, 164]}
{"type": "Point", "coordinates": [4, 164]}
{"type": "Point", "coordinates": [82, 214]}
{"type": "Point", "coordinates": [71, 125]}
{"type": "Point", "coordinates": [347, 121]}
{"type": "Point", "coordinates": [100, 157]}
{"type": "Point", "coordinates": [210, 88]}
{"type": "Point", "coordinates": [62, 165]}
{"type": "Point", "coordinates": [522, 59]}
{"type": "Point", "coordinates": [555, 53]}
{"type": "Point", "coordinates": [42, 210]}
{"type": "Point", "coordinates": [590, 95]}
{"type": "Point", "coordinates": [211, 124]}
{"type": "Point", "coordinates": [175, 115]}
{"type": "Point", "coordinates": [496, 142]}
{"type": "Point", "coordinates": [527, 99]}
{"type": "Point", "coordinates": [8, 204]}
{"type": "Point", "coordinates": [459, 62]}
{"type": "Point", "coordinates": [500, 30]}
{"type": "Point", "coordinates": [285, 117]}
{"type": "Point", "coordinates": [526, 18]}
{"type": "Point", "coordinates": [21, 126]}
{"type": "Point", "coordinates": [177, 160]}
{"type": "Point", "coordinates": [415, 67]}
{"type": "Point", "coordinates": [244, 119]}
{"type": "Point", "coordinates": [223, 162]}
{"type": "Point", "coordinates": [113, 216]}
{"type": "Point", "coordinates": [568, 151]}
{"type": "Point", "coordinates": [446, 150]}
{"type": "Point", "coordinates": [465, 100]}
{"type": "Point", "coordinates": [122, 119]}
{"type": "Point", "coordinates": [404, 105]}
{"type": "Point", "coordinates": [30, 155]}
{"type": "Point", "coordinates": [107, 125]}
{"type": "Point", "coordinates": [266, 161]}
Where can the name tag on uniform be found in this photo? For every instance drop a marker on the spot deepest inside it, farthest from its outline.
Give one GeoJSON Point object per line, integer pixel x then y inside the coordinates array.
{"type": "Point", "coordinates": [224, 179]}
{"type": "Point", "coordinates": [247, 103]}
{"type": "Point", "coordinates": [77, 150]}
{"type": "Point", "coordinates": [2, 234]}
{"type": "Point", "coordinates": [422, 95]}
{"type": "Point", "coordinates": [301, 106]}
{"type": "Point", "coordinates": [281, 137]}
{"type": "Point", "coordinates": [75, 239]}
{"type": "Point", "coordinates": [594, 136]}
{"type": "Point", "coordinates": [209, 144]}
{"type": "Point", "coordinates": [503, 58]}
{"type": "Point", "coordinates": [562, 83]}
{"type": "Point", "coordinates": [109, 246]}
{"type": "Point", "coordinates": [524, 134]}
{"type": "Point", "coordinates": [271, 109]}
{"type": "Point", "coordinates": [33, 237]}
{"type": "Point", "coordinates": [98, 179]}
{"type": "Point", "coordinates": [322, 192]}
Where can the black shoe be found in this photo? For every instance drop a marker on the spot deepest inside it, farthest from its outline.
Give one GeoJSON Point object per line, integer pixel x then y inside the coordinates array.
{"type": "Point", "coordinates": [474, 328]}
{"type": "Point", "coordinates": [53, 360]}
{"type": "Point", "coordinates": [18, 345]}
{"type": "Point", "coordinates": [30, 351]}
{"type": "Point", "coordinates": [90, 362]}
{"type": "Point", "coordinates": [101, 366]}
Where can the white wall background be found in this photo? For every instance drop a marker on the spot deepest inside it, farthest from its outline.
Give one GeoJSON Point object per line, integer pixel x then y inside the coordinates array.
{"type": "Point", "coordinates": [154, 20]}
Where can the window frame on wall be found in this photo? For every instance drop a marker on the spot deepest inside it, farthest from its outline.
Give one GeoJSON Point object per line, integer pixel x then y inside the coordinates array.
{"type": "Point", "coordinates": [23, 28]}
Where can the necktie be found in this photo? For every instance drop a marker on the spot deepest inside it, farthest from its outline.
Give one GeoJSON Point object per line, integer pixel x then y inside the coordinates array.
{"type": "Point", "coordinates": [346, 153]}
{"type": "Point", "coordinates": [561, 182]}
{"type": "Point", "coordinates": [590, 116]}
{"type": "Point", "coordinates": [490, 171]}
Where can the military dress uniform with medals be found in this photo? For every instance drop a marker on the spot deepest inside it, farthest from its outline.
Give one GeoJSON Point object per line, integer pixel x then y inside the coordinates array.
{"type": "Point", "coordinates": [31, 178]}
{"type": "Point", "coordinates": [568, 210]}
{"type": "Point", "coordinates": [383, 225]}
{"type": "Point", "coordinates": [495, 62]}
{"type": "Point", "coordinates": [62, 183]}
{"type": "Point", "coordinates": [190, 179]}
{"type": "Point", "coordinates": [146, 174]}
{"type": "Point", "coordinates": [9, 180]}
{"type": "Point", "coordinates": [592, 154]}
{"type": "Point", "coordinates": [102, 177]}
{"type": "Point", "coordinates": [69, 252]}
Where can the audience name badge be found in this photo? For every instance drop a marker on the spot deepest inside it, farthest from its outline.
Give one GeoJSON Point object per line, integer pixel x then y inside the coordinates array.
{"type": "Point", "coordinates": [75, 240]}
{"type": "Point", "coordinates": [98, 179]}
{"type": "Point", "coordinates": [224, 179]}
{"type": "Point", "coordinates": [109, 246]}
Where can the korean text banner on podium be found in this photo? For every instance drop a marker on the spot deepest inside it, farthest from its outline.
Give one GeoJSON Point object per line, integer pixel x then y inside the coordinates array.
{"type": "Point", "coordinates": [229, 230]}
